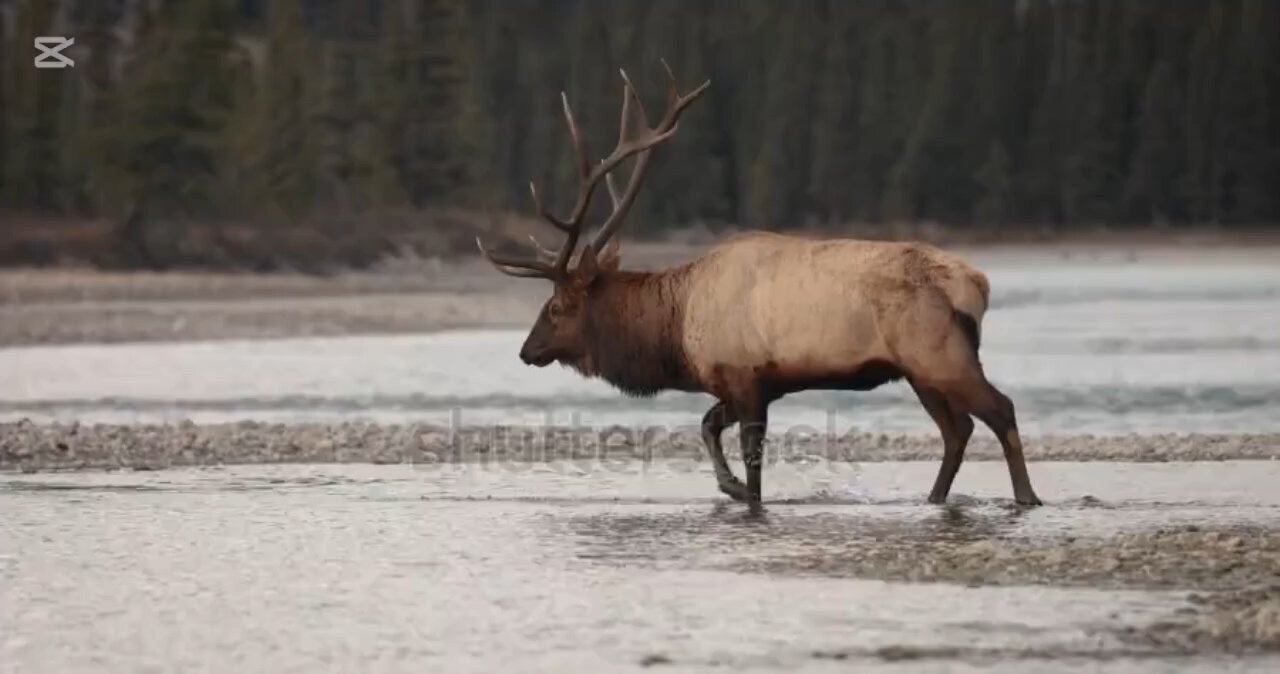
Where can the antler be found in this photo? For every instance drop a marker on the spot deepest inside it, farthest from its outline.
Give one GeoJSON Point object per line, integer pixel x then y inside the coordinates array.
{"type": "Point", "coordinates": [589, 177]}
{"type": "Point", "coordinates": [667, 126]}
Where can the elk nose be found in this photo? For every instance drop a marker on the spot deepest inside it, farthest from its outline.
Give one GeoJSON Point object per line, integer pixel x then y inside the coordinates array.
{"type": "Point", "coordinates": [526, 355]}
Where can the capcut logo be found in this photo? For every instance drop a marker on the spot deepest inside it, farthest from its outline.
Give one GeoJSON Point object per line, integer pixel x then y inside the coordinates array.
{"type": "Point", "coordinates": [49, 52]}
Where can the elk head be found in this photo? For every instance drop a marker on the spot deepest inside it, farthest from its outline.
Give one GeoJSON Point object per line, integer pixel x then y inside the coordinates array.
{"type": "Point", "coordinates": [558, 333]}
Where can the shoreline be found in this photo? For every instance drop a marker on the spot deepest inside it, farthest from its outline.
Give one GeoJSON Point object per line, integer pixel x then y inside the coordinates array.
{"type": "Point", "coordinates": [26, 446]}
{"type": "Point", "coordinates": [406, 296]}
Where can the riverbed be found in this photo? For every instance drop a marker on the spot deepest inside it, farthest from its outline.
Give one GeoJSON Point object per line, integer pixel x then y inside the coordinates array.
{"type": "Point", "coordinates": [469, 567]}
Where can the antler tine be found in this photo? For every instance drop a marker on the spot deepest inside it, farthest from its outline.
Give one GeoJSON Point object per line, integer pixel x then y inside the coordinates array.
{"type": "Point", "coordinates": [629, 93]}
{"type": "Point", "coordinates": [544, 253]}
{"type": "Point", "coordinates": [573, 226]}
{"type": "Point", "coordinates": [675, 102]}
{"type": "Point", "coordinates": [666, 128]}
{"type": "Point", "coordinates": [544, 213]}
{"type": "Point", "coordinates": [580, 155]}
{"type": "Point", "coordinates": [628, 96]}
{"type": "Point", "coordinates": [513, 266]}
{"type": "Point", "coordinates": [613, 191]}
{"type": "Point", "coordinates": [673, 89]}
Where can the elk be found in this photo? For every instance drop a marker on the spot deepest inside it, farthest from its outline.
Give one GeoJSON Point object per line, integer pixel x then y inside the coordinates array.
{"type": "Point", "coordinates": [761, 315]}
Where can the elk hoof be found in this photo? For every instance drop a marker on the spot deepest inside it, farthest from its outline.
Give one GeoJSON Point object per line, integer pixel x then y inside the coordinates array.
{"type": "Point", "coordinates": [734, 489]}
{"type": "Point", "coordinates": [1031, 500]}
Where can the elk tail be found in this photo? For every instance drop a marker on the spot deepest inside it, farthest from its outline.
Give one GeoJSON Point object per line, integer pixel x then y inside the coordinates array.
{"type": "Point", "coordinates": [969, 326]}
{"type": "Point", "coordinates": [970, 296]}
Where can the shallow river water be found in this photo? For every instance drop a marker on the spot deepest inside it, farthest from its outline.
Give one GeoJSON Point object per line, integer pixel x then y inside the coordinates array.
{"type": "Point", "coordinates": [550, 568]}
{"type": "Point", "coordinates": [1101, 346]}
{"type": "Point", "coordinates": [565, 567]}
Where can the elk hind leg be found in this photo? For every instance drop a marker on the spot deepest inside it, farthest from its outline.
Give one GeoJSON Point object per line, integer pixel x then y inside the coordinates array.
{"type": "Point", "coordinates": [956, 429]}
{"type": "Point", "coordinates": [718, 418]}
{"type": "Point", "coordinates": [994, 408]}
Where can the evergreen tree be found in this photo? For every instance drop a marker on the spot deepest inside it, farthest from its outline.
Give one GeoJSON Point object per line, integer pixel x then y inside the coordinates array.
{"type": "Point", "coordinates": [422, 77]}
{"type": "Point", "coordinates": [1249, 156]}
{"type": "Point", "coordinates": [352, 171]}
{"type": "Point", "coordinates": [1152, 189]}
{"type": "Point", "coordinates": [96, 27]}
{"type": "Point", "coordinates": [1001, 111]}
{"type": "Point", "coordinates": [836, 138]}
{"type": "Point", "coordinates": [287, 160]}
{"type": "Point", "coordinates": [1205, 126]}
{"type": "Point", "coordinates": [166, 146]}
{"type": "Point", "coordinates": [779, 173]}
{"type": "Point", "coordinates": [996, 204]}
{"type": "Point", "coordinates": [33, 168]}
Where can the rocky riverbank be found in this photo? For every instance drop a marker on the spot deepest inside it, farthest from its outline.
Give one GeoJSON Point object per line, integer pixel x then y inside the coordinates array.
{"type": "Point", "coordinates": [28, 446]}
{"type": "Point", "coordinates": [1234, 575]}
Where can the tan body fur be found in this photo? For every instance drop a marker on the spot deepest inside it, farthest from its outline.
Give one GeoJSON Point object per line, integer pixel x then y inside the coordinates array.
{"type": "Point", "coordinates": [802, 311]}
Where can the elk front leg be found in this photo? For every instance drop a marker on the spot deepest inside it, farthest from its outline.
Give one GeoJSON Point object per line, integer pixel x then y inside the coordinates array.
{"type": "Point", "coordinates": [752, 425]}
{"type": "Point", "coordinates": [714, 422]}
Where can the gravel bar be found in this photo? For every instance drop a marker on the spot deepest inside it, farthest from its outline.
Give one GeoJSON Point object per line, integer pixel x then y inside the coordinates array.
{"type": "Point", "coordinates": [30, 447]}
{"type": "Point", "coordinates": [1234, 575]}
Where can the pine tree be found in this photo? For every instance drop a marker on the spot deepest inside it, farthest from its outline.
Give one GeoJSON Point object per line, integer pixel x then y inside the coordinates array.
{"type": "Point", "coordinates": [167, 142]}
{"type": "Point", "coordinates": [287, 159]}
{"type": "Point", "coordinates": [887, 108]}
{"type": "Point", "coordinates": [836, 140]}
{"type": "Point", "coordinates": [5, 138]}
{"type": "Point", "coordinates": [996, 203]}
{"type": "Point", "coordinates": [96, 26]}
{"type": "Point", "coordinates": [1152, 189]}
{"type": "Point", "coordinates": [1249, 156]}
{"type": "Point", "coordinates": [1038, 110]}
{"type": "Point", "coordinates": [422, 74]}
{"type": "Point", "coordinates": [352, 170]}
{"type": "Point", "coordinates": [33, 168]}
{"type": "Point", "coordinates": [1205, 125]}
{"type": "Point", "coordinates": [779, 173]}
{"type": "Point", "coordinates": [686, 180]}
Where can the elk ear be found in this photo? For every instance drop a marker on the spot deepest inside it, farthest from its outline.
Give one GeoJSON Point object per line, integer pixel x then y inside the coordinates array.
{"type": "Point", "coordinates": [610, 257]}
{"type": "Point", "coordinates": [588, 266]}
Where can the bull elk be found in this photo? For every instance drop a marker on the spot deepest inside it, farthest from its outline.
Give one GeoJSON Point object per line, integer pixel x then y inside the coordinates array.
{"type": "Point", "coordinates": [761, 315]}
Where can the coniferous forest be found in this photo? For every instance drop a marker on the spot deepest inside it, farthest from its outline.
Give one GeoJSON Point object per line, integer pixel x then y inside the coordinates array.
{"type": "Point", "coordinates": [971, 113]}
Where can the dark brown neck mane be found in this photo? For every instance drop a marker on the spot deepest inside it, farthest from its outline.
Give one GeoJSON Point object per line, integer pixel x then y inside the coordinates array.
{"type": "Point", "coordinates": [634, 332]}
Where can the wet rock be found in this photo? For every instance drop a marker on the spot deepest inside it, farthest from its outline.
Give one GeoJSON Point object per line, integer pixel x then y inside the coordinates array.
{"type": "Point", "coordinates": [654, 659]}
{"type": "Point", "coordinates": [1232, 621]}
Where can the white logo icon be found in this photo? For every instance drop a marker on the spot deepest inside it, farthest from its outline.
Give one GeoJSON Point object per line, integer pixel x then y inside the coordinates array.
{"type": "Point", "coordinates": [51, 55]}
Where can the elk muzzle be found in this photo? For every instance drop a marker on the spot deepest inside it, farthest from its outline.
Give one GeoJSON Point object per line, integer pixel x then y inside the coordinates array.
{"type": "Point", "coordinates": [535, 352]}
